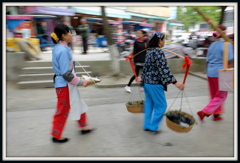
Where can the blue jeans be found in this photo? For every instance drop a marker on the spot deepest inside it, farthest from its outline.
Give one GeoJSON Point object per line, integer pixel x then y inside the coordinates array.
{"type": "Point", "coordinates": [154, 107]}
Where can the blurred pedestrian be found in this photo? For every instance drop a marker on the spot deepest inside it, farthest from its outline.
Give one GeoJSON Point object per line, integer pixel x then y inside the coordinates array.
{"type": "Point", "coordinates": [63, 78]}
{"type": "Point", "coordinates": [139, 45]}
{"type": "Point", "coordinates": [40, 29]}
{"type": "Point", "coordinates": [207, 42]}
{"type": "Point", "coordinates": [83, 30]}
{"type": "Point", "coordinates": [42, 33]}
{"type": "Point", "coordinates": [156, 76]}
{"type": "Point", "coordinates": [214, 64]}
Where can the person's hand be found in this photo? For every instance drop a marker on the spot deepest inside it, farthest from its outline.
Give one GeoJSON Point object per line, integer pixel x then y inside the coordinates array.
{"type": "Point", "coordinates": [84, 83]}
{"type": "Point", "coordinates": [131, 56]}
{"type": "Point", "coordinates": [138, 79]}
{"type": "Point", "coordinates": [179, 85]}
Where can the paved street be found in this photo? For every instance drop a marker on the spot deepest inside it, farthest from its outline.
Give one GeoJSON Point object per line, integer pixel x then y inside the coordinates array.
{"type": "Point", "coordinates": [119, 133]}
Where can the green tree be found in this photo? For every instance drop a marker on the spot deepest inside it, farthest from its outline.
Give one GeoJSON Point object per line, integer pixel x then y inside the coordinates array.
{"type": "Point", "coordinates": [189, 17]}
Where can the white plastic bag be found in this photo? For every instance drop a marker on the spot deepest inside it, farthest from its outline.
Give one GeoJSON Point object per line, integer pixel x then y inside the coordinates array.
{"type": "Point", "coordinates": [226, 75]}
{"type": "Point", "coordinates": [225, 80]}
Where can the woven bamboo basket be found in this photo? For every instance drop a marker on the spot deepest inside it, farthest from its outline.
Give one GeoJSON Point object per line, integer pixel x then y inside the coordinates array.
{"type": "Point", "coordinates": [177, 127]}
{"type": "Point", "coordinates": [135, 106]}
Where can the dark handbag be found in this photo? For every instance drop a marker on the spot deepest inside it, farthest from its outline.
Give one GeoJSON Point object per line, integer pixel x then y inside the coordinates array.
{"type": "Point", "coordinates": [68, 76]}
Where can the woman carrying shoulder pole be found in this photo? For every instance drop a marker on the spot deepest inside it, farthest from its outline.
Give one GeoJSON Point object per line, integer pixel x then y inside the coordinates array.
{"type": "Point", "coordinates": [62, 67]}
{"type": "Point", "coordinates": [156, 76]}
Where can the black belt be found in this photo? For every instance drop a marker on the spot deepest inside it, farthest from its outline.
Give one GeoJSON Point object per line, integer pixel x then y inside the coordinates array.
{"type": "Point", "coordinates": [54, 77]}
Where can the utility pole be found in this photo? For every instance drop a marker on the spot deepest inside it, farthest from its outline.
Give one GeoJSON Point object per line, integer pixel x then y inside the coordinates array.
{"type": "Point", "coordinates": [115, 65]}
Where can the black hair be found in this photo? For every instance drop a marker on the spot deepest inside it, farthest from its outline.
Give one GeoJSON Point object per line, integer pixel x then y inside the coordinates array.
{"type": "Point", "coordinates": [155, 41]}
{"type": "Point", "coordinates": [143, 32]}
{"type": "Point", "coordinates": [59, 30]}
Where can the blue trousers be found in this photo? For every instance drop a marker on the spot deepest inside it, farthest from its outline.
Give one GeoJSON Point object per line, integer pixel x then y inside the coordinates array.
{"type": "Point", "coordinates": [154, 107]}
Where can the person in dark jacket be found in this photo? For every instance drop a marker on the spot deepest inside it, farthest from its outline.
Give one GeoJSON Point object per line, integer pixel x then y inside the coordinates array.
{"type": "Point", "coordinates": [83, 30]}
{"type": "Point", "coordinates": [139, 45]}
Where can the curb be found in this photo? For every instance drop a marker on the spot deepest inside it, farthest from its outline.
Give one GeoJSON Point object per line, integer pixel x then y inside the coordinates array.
{"type": "Point", "coordinates": [114, 85]}
{"type": "Point", "coordinates": [198, 75]}
{"type": "Point", "coordinates": [202, 76]}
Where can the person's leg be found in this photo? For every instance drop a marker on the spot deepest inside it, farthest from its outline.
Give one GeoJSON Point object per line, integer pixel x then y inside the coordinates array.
{"type": "Point", "coordinates": [140, 68]}
{"type": "Point", "coordinates": [148, 107]}
{"type": "Point", "coordinates": [137, 69]}
{"type": "Point", "coordinates": [130, 81]}
{"type": "Point", "coordinates": [215, 103]}
{"type": "Point", "coordinates": [212, 90]}
{"type": "Point", "coordinates": [85, 45]}
{"type": "Point", "coordinates": [219, 110]}
{"type": "Point", "coordinates": [160, 105]}
{"type": "Point", "coordinates": [82, 122]}
{"type": "Point", "coordinates": [212, 87]}
{"type": "Point", "coordinates": [60, 117]}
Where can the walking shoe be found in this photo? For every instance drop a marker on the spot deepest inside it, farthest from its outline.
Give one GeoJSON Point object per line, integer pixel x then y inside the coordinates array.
{"type": "Point", "coordinates": [154, 132]}
{"type": "Point", "coordinates": [141, 89]}
{"type": "Point", "coordinates": [128, 89]}
{"type": "Point", "coordinates": [59, 140]}
{"type": "Point", "coordinates": [217, 117]}
{"type": "Point", "coordinates": [83, 132]}
{"type": "Point", "coordinates": [201, 115]}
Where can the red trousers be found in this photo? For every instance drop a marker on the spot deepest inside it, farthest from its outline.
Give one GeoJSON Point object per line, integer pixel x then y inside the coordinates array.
{"type": "Point", "coordinates": [217, 98]}
{"type": "Point", "coordinates": [61, 114]}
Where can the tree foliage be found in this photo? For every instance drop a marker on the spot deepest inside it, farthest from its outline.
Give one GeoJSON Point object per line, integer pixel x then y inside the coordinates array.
{"type": "Point", "coordinates": [189, 17]}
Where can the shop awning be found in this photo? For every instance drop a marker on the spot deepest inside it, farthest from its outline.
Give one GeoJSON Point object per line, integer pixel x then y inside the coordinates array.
{"type": "Point", "coordinates": [19, 17]}
{"type": "Point", "coordinates": [146, 16]}
{"type": "Point", "coordinates": [115, 13]}
{"type": "Point", "coordinates": [138, 23]}
{"type": "Point", "coordinates": [99, 20]}
{"type": "Point", "coordinates": [14, 20]}
{"type": "Point", "coordinates": [48, 10]}
{"type": "Point", "coordinates": [175, 24]}
{"type": "Point", "coordinates": [131, 22]}
{"type": "Point", "coordinates": [146, 25]}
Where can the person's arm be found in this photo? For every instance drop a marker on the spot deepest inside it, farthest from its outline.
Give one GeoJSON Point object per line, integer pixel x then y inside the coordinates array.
{"type": "Point", "coordinates": [83, 29]}
{"type": "Point", "coordinates": [65, 70]}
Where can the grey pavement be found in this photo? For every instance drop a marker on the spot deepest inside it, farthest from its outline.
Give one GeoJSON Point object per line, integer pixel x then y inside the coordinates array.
{"type": "Point", "coordinates": [29, 114]}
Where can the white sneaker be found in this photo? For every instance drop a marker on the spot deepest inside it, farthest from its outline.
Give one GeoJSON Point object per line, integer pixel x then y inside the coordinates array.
{"type": "Point", "coordinates": [128, 89]}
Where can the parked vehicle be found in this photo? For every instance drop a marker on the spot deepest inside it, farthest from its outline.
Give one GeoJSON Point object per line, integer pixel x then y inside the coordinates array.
{"type": "Point", "coordinates": [200, 41]}
{"type": "Point", "coordinates": [185, 42]}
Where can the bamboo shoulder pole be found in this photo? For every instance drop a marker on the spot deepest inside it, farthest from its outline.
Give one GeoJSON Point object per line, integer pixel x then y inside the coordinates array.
{"type": "Point", "coordinates": [224, 36]}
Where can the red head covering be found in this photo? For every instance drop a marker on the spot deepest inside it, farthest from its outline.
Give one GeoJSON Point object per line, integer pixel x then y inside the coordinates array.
{"type": "Point", "coordinates": [216, 34]}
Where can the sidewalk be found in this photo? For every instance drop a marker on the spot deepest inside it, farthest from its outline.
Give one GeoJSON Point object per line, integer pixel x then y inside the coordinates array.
{"type": "Point", "coordinates": [119, 133]}
{"type": "Point", "coordinates": [94, 54]}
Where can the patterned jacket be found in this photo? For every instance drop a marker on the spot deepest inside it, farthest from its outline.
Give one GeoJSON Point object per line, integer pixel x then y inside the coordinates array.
{"type": "Point", "coordinates": [156, 70]}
